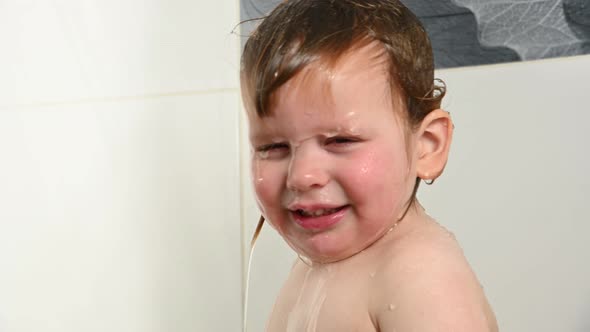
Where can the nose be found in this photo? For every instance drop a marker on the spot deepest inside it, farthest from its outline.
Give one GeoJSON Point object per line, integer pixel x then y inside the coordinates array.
{"type": "Point", "coordinates": [307, 170]}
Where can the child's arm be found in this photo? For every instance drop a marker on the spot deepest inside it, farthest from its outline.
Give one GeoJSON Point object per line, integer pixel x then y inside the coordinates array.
{"type": "Point", "coordinates": [429, 287]}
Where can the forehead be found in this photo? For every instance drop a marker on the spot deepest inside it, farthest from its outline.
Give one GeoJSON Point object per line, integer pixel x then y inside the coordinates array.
{"type": "Point", "coordinates": [324, 79]}
{"type": "Point", "coordinates": [332, 96]}
{"type": "Point", "coordinates": [330, 80]}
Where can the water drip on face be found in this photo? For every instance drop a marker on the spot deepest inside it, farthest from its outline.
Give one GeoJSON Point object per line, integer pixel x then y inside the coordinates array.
{"type": "Point", "coordinates": [305, 260]}
{"type": "Point", "coordinates": [257, 175]}
{"type": "Point", "coordinates": [263, 154]}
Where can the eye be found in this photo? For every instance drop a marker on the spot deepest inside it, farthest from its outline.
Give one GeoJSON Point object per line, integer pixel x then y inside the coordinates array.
{"type": "Point", "coordinates": [272, 151]}
{"type": "Point", "coordinates": [273, 146]}
{"type": "Point", "coordinates": [341, 144]}
{"type": "Point", "coordinates": [340, 140]}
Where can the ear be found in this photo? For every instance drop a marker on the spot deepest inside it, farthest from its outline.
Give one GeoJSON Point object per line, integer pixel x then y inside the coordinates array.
{"type": "Point", "coordinates": [433, 143]}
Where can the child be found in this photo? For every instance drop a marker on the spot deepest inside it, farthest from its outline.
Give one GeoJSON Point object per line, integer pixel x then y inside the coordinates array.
{"type": "Point", "coordinates": [345, 122]}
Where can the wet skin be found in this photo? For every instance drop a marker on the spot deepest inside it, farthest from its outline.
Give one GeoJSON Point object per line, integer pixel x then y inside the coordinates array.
{"type": "Point", "coordinates": [413, 279]}
{"type": "Point", "coordinates": [333, 141]}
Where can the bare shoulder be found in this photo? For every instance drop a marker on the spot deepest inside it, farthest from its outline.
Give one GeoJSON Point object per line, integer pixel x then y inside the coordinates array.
{"type": "Point", "coordinates": [425, 284]}
{"type": "Point", "coordinates": [286, 298]}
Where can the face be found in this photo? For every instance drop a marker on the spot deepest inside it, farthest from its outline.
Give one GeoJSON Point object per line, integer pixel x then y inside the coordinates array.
{"type": "Point", "coordinates": [330, 165]}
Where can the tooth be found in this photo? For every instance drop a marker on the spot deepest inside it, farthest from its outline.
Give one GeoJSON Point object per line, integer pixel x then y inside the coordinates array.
{"type": "Point", "coordinates": [316, 213]}
{"type": "Point", "coordinates": [319, 212]}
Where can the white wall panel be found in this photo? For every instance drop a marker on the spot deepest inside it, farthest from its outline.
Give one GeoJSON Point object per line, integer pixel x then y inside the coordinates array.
{"type": "Point", "coordinates": [121, 216]}
{"type": "Point", "coordinates": [64, 50]}
{"type": "Point", "coordinates": [515, 191]}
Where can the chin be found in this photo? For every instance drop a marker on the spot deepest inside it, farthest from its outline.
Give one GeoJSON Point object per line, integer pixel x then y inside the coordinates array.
{"type": "Point", "coordinates": [323, 248]}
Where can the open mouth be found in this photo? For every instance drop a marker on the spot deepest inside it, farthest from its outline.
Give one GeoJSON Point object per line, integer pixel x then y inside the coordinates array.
{"type": "Point", "coordinates": [319, 219]}
{"type": "Point", "coordinates": [319, 212]}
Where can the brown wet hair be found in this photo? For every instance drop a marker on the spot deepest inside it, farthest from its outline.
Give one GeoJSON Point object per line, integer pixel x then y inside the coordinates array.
{"type": "Point", "coordinates": [298, 33]}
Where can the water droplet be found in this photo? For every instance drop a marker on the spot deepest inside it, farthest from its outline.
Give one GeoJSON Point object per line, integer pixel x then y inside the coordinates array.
{"type": "Point", "coordinates": [306, 260]}
{"type": "Point", "coordinates": [263, 154]}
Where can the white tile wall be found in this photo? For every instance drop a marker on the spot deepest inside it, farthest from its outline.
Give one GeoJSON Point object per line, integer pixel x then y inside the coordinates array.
{"type": "Point", "coordinates": [121, 216]}
{"type": "Point", "coordinates": [62, 50]}
{"type": "Point", "coordinates": [515, 189]}
{"type": "Point", "coordinates": [119, 166]}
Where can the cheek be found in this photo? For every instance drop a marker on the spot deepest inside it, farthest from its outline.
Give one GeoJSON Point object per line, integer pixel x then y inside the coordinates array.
{"type": "Point", "coordinates": [377, 177]}
{"type": "Point", "coordinates": [267, 181]}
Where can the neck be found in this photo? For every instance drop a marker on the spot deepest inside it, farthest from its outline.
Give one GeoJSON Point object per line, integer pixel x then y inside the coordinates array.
{"type": "Point", "coordinates": [412, 219]}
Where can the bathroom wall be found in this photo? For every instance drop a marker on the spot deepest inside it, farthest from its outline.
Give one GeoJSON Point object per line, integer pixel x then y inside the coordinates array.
{"type": "Point", "coordinates": [514, 193]}
{"type": "Point", "coordinates": [119, 177]}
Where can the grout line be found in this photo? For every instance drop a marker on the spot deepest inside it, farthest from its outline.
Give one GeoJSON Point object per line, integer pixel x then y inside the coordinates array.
{"type": "Point", "coordinates": [116, 99]}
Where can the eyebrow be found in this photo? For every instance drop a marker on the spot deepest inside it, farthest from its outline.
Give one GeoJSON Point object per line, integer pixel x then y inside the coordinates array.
{"type": "Point", "coordinates": [327, 132]}
{"type": "Point", "coordinates": [263, 136]}
{"type": "Point", "coordinates": [344, 130]}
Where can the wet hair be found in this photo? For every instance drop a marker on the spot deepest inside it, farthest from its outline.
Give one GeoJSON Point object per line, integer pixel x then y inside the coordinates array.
{"type": "Point", "coordinates": [298, 33]}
